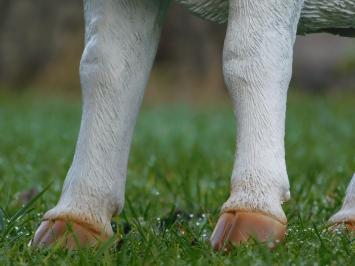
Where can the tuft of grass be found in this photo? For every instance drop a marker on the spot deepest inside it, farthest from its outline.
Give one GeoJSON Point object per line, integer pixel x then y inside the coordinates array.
{"type": "Point", "coordinates": [178, 177]}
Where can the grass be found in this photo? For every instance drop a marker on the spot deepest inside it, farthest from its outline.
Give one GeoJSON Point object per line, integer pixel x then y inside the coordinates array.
{"type": "Point", "coordinates": [178, 177]}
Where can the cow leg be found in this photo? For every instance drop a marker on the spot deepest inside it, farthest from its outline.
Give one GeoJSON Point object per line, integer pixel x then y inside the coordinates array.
{"type": "Point", "coordinates": [121, 38]}
{"type": "Point", "coordinates": [257, 62]}
{"type": "Point", "coordinates": [346, 215]}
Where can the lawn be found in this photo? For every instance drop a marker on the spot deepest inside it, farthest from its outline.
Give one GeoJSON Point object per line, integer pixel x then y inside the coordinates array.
{"type": "Point", "coordinates": [178, 177]}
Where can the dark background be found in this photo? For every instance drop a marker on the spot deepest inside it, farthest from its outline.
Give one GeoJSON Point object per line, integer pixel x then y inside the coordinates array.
{"type": "Point", "coordinates": [41, 44]}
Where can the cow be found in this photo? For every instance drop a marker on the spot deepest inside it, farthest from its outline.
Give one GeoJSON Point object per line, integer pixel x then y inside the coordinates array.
{"type": "Point", "coordinates": [121, 39]}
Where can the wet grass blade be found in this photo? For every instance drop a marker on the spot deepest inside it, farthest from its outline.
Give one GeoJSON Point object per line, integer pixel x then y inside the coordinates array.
{"type": "Point", "coordinates": [25, 209]}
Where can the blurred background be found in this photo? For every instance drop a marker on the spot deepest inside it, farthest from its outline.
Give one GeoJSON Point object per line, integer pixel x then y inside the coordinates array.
{"type": "Point", "coordinates": [41, 45]}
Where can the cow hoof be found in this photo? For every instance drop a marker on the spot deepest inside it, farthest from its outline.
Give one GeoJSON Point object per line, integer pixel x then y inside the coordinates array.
{"type": "Point", "coordinates": [235, 228]}
{"type": "Point", "coordinates": [66, 234]}
{"type": "Point", "coordinates": [351, 226]}
{"type": "Point", "coordinates": [342, 227]}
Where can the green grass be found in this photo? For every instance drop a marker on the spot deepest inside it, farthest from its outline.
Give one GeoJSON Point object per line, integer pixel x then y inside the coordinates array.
{"type": "Point", "coordinates": [178, 177]}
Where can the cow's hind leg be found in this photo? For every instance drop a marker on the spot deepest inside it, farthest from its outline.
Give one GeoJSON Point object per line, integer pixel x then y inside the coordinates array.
{"type": "Point", "coordinates": [257, 68]}
{"type": "Point", "coordinates": [346, 215]}
{"type": "Point", "coordinates": [121, 39]}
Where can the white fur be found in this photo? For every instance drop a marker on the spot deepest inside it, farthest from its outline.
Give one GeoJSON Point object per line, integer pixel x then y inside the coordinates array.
{"type": "Point", "coordinates": [347, 211]}
{"type": "Point", "coordinates": [120, 45]}
{"type": "Point", "coordinates": [257, 64]}
{"type": "Point", "coordinates": [121, 41]}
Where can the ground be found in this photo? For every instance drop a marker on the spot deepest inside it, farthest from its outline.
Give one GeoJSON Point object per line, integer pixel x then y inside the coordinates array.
{"type": "Point", "coordinates": [178, 177]}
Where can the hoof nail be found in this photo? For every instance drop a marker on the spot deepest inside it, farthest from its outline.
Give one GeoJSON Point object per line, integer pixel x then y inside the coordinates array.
{"type": "Point", "coordinates": [236, 228]}
{"type": "Point", "coordinates": [67, 234]}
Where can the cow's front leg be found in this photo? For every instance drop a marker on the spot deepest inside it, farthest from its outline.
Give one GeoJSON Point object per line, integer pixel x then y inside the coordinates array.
{"type": "Point", "coordinates": [346, 215]}
{"type": "Point", "coordinates": [121, 39]}
{"type": "Point", "coordinates": [257, 68]}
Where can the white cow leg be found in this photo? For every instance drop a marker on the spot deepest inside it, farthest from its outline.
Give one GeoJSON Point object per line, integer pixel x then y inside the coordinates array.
{"type": "Point", "coordinates": [121, 38]}
{"type": "Point", "coordinates": [346, 215]}
{"type": "Point", "coordinates": [257, 59]}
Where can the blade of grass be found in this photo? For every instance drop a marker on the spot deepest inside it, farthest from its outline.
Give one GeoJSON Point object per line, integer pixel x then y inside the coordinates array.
{"type": "Point", "coordinates": [320, 238]}
{"type": "Point", "coordinates": [2, 221]}
{"type": "Point", "coordinates": [24, 209]}
{"type": "Point", "coordinates": [105, 246]}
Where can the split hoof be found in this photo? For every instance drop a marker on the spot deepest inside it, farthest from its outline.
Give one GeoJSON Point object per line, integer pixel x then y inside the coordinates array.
{"type": "Point", "coordinates": [66, 234]}
{"type": "Point", "coordinates": [235, 228]}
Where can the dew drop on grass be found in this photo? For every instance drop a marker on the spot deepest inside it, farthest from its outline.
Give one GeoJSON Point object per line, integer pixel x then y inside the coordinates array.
{"type": "Point", "coordinates": [204, 236]}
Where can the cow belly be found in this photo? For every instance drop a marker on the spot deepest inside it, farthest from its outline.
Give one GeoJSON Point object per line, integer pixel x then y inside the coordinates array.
{"type": "Point", "coordinates": [214, 10]}
{"type": "Point", "coordinates": [336, 16]}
